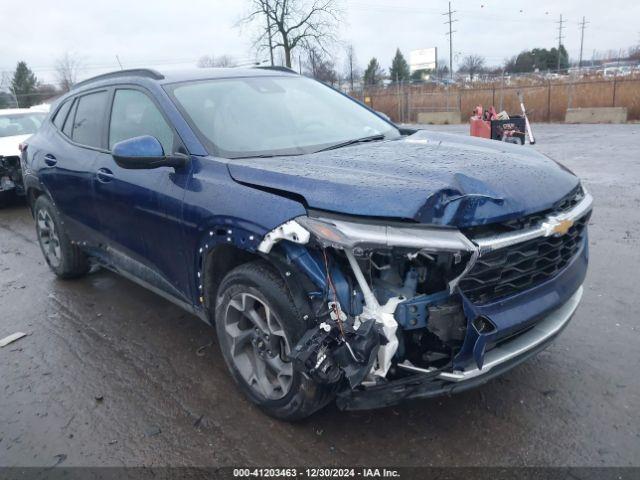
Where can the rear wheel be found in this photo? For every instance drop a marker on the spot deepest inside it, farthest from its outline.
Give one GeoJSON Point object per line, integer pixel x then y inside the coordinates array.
{"type": "Point", "coordinates": [64, 258]}
{"type": "Point", "coordinates": [258, 325]}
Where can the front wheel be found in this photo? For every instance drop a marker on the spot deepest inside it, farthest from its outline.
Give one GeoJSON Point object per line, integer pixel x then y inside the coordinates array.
{"type": "Point", "coordinates": [64, 258]}
{"type": "Point", "coordinates": [258, 325]}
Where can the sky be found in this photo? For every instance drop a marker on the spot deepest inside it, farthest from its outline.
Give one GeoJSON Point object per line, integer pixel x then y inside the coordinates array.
{"type": "Point", "coordinates": [172, 34]}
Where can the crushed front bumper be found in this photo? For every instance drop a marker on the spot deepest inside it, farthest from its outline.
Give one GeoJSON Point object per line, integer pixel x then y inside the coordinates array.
{"type": "Point", "coordinates": [498, 360]}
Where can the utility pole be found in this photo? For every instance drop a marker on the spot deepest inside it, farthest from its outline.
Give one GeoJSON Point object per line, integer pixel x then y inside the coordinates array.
{"type": "Point", "coordinates": [15, 97]}
{"type": "Point", "coordinates": [560, 37]}
{"type": "Point", "coordinates": [583, 25]}
{"type": "Point", "coordinates": [451, 32]}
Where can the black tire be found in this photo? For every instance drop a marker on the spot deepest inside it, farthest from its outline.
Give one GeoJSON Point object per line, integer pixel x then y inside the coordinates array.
{"type": "Point", "coordinates": [7, 198]}
{"type": "Point", "coordinates": [70, 261]}
{"type": "Point", "coordinates": [260, 280]}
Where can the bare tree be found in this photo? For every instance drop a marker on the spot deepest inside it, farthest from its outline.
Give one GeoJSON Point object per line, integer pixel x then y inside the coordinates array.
{"type": "Point", "coordinates": [472, 64]}
{"type": "Point", "coordinates": [67, 68]}
{"type": "Point", "coordinates": [226, 61]}
{"type": "Point", "coordinates": [320, 67]}
{"type": "Point", "coordinates": [352, 71]}
{"type": "Point", "coordinates": [223, 61]}
{"type": "Point", "coordinates": [442, 69]}
{"type": "Point", "coordinates": [290, 24]}
{"type": "Point", "coordinates": [206, 61]}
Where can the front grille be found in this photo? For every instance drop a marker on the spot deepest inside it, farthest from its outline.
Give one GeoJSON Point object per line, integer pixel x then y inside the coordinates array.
{"type": "Point", "coordinates": [516, 268]}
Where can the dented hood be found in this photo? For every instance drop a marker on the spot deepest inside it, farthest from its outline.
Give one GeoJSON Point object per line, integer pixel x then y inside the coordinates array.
{"type": "Point", "coordinates": [428, 177]}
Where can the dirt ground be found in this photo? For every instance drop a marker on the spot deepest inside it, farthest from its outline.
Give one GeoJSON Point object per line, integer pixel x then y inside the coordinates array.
{"type": "Point", "coordinates": [111, 374]}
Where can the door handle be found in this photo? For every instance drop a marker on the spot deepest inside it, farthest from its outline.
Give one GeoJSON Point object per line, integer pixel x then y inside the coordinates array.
{"type": "Point", "coordinates": [50, 160]}
{"type": "Point", "coordinates": [104, 175]}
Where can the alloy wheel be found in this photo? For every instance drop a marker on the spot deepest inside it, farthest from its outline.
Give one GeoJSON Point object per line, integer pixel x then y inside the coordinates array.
{"type": "Point", "coordinates": [48, 238]}
{"type": "Point", "coordinates": [259, 348]}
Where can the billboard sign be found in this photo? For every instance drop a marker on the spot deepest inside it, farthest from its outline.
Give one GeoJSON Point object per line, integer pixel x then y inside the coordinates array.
{"type": "Point", "coordinates": [423, 59]}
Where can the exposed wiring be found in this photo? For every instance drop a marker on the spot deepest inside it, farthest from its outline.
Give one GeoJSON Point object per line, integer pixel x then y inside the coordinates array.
{"type": "Point", "coordinates": [336, 303]}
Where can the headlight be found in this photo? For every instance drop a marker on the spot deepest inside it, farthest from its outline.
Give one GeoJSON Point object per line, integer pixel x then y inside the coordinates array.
{"type": "Point", "coordinates": [348, 234]}
{"type": "Point", "coordinates": [325, 231]}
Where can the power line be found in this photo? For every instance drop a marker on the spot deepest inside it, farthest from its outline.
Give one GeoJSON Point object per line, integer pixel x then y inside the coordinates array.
{"type": "Point", "coordinates": [451, 32]}
{"type": "Point", "coordinates": [583, 25]}
{"type": "Point", "coordinates": [560, 37]}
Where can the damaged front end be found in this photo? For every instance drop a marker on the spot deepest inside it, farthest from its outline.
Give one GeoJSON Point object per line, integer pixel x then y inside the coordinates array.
{"type": "Point", "coordinates": [383, 296]}
{"type": "Point", "coordinates": [10, 174]}
{"type": "Point", "coordinates": [409, 311]}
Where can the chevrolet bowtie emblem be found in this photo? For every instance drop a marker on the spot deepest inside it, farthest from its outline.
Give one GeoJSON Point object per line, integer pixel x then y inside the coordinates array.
{"type": "Point", "coordinates": [556, 226]}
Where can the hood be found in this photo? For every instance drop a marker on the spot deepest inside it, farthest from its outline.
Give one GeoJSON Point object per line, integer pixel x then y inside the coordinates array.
{"type": "Point", "coordinates": [9, 145]}
{"type": "Point", "coordinates": [432, 178]}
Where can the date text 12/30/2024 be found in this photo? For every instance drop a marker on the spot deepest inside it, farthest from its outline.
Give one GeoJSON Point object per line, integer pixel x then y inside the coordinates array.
{"type": "Point", "coordinates": [315, 473]}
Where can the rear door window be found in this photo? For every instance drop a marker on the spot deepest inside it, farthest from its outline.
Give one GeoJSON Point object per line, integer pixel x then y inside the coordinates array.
{"type": "Point", "coordinates": [68, 124]}
{"type": "Point", "coordinates": [134, 114]}
{"type": "Point", "coordinates": [61, 116]}
{"type": "Point", "coordinates": [89, 119]}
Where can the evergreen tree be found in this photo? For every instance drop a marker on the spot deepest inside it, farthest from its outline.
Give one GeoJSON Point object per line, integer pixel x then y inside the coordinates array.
{"type": "Point", "coordinates": [24, 85]}
{"type": "Point", "coordinates": [539, 59]}
{"type": "Point", "coordinates": [419, 75]}
{"type": "Point", "coordinates": [5, 100]}
{"type": "Point", "coordinates": [399, 71]}
{"type": "Point", "coordinates": [373, 74]}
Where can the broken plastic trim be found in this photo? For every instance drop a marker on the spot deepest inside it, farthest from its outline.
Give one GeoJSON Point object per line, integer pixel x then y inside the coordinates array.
{"type": "Point", "coordinates": [544, 330]}
{"type": "Point", "coordinates": [10, 174]}
{"type": "Point", "coordinates": [290, 230]}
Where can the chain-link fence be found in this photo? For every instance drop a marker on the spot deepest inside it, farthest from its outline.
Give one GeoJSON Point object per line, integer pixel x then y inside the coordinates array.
{"type": "Point", "coordinates": [545, 100]}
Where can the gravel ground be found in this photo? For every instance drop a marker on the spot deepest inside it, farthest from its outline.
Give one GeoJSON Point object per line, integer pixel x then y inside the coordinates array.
{"type": "Point", "coordinates": [111, 374]}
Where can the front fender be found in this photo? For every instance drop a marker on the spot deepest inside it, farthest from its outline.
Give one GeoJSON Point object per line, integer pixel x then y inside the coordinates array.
{"type": "Point", "coordinates": [235, 232]}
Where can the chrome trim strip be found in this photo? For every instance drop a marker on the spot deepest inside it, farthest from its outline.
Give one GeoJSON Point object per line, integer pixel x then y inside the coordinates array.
{"type": "Point", "coordinates": [407, 365]}
{"type": "Point", "coordinates": [429, 239]}
{"type": "Point", "coordinates": [546, 229]}
{"type": "Point", "coordinates": [544, 330]}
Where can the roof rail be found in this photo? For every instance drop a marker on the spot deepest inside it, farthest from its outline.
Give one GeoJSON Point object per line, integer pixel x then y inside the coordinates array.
{"type": "Point", "coordinates": [132, 72]}
{"type": "Point", "coordinates": [278, 68]}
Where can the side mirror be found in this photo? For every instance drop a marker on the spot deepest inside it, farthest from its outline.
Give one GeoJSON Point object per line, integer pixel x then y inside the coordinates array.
{"type": "Point", "coordinates": [145, 152]}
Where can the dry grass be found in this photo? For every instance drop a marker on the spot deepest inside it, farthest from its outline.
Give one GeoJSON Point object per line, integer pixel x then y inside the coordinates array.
{"type": "Point", "coordinates": [545, 101]}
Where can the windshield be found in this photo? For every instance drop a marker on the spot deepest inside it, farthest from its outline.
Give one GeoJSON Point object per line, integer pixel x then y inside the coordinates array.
{"type": "Point", "coordinates": [266, 116]}
{"type": "Point", "coordinates": [20, 123]}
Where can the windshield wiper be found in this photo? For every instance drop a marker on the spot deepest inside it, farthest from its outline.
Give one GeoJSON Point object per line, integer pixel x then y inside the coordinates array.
{"type": "Point", "coordinates": [370, 138]}
{"type": "Point", "coordinates": [267, 155]}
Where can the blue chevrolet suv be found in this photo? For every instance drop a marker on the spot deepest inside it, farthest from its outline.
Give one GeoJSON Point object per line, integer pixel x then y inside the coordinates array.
{"type": "Point", "coordinates": [339, 256]}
